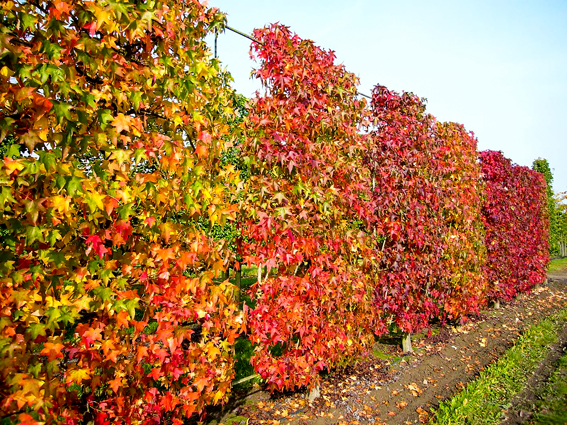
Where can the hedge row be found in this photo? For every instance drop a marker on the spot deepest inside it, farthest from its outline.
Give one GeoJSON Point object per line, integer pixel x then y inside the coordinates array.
{"type": "Point", "coordinates": [410, 221]}
{"type": "Point", "coordinates": [516, 220]}
{"type": "Point", "coordinates": [123, 159]}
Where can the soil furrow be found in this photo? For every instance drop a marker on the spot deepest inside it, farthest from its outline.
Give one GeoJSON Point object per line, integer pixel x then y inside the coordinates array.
{"type": "Point", "coordinates": [405, 392]}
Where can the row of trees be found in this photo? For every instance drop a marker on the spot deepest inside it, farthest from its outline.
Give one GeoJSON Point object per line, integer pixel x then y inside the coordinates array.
{"type": "Point", "coordinates": [370, 231]}
{"type": "Point", "coordinates": [125, 156]}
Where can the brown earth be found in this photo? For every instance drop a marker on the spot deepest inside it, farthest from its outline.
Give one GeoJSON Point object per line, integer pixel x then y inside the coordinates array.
{"type": "Point", "coordinates": [397, 389]}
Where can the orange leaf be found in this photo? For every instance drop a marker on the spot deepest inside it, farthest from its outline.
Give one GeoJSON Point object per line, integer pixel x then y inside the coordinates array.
{"type": "Point", "coordinates": [110, 204]}
{"type": "Point", "coordinates": [52, 351]}
{"type": "Point", "coordinates": [142, 353]}
{"type": "Point", "coordinates": [107, 346]}
{"type": "Point", "coordinates": [205, 137]}
{"type": "Point", "coordinates": [115, 384]}
{"type": "Point", "coordinates": [121, 122]}
{"type": "Point", "coordinates": [25, 419]}
{"type": "Point", "coordinates": [156, 373]}
{"type": "Point", "coordinates": [202, 151]}
{"type": "Point", "coordinates": [91, 335]}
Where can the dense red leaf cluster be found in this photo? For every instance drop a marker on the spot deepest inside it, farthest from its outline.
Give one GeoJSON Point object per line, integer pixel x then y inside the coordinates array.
{"type": "Point", "coordinates": [403, 157]}
{"type": "Point", "coordinates": [532, 245]}
{"type": "Point", "coordinates": [306, 213]}
{"type": "Point", "coordinates": [516, 224]}
{"type": "Point", "coordinates": [428, 197]}
{"type": "Point", "coordinates": [361, 220]}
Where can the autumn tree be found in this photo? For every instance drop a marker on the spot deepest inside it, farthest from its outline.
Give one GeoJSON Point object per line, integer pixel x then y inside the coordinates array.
{"type": "Point", "coordinates": [516, 221]}
{"type": "Point", "coordinates": [307, 212]}
{"type": "Point", "coordinates": [117, 117]}
{"type": "Point", "coordinates": [561, 220]}
{"type": "Point", "coordinates": [403, 156]}
{"type": "Point", "coordinates": [498, 218]}
{"type": "Point", "coordinates": [463, 285]}
{"type": "Point", "coordinates": [532, 227]}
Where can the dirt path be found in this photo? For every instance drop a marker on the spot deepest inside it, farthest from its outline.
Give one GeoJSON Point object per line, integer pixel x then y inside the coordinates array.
{"type": "Point", "coordinates": [404, 391]}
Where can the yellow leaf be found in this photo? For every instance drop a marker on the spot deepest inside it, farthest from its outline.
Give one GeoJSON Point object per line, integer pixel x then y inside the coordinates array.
{"type": "Point", "coordinates": [60, 203]}
{"type": "Point", "coordinates": [77, 376]}
{"type": "Point", "coordinates": [218, 396]}
{"type": "Point", "coordinates": [121, 122]}
{"type": "Point", "coordinates": [213, 352]}
{"type": "Point", "coordinates": [6, 72]}
{"type": "Point", "coordinates": [121, 155]}
{"type": "Point", "coordinates": [97, 199]}
{"type": "Point", "coordinates": [12, 165]}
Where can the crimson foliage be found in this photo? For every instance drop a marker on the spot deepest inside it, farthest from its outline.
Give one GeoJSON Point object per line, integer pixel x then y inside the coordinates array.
{"type": "Point", "coordinates": [306, 212]}
{"type": "Point", "coordinates": [113, 184]}
{"type": "Point", "coordinates": [532, 215]}
{"type": "Point", "coordinates": [403, 157]}
{"type": "Point", "coordinates": [517, 226]}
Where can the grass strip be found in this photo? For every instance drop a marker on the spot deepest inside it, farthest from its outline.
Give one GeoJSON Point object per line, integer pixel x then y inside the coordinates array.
{"type": "Point", "coordinates": [558, 265]}
{"type": "Point", "coordinates": [484, 400]}
{"type": "Point", "coordinates": [551, 406]}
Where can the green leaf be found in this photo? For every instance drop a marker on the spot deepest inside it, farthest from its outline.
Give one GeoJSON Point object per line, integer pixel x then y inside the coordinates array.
{"type": "Point", "coordinates": [35, 369]}
{"type": "Point", "coordinates": [103, 293]}
{"type": "Point", "coordinates": [67, 315]}
{"type": "Point", "coordinates": [136, 98]}
{"type": "Point", "coordinates": [28, 21]}
{"type": "Point", "coordinates": [43, 72]}
{"type": "Point", "coordinates": [53, 51]}
{"type": "Point", "coordinates": [53, 314]}
{"type": "Point", "coordinates": [57, 257]}
{"type": "Point", "coordinates": [13, 151]}
{"type": "Point", "coordinates": [82, 116]}
{"type": "Point", "coordinates": [6, 195]}
{"type": "Point", "coordinates": [132, 305]}
{"type": "Point", "coordinates": [104, 116]}
{"type": "Point", "coordinates": [62, 111]}
{"type": "Point", "coordinates": [74, 185]}
{"type": "Point", "coordinates": [33, 234]}
{"type": "Point", "coordinates": [37, 329]}
{"type": "Point", "coordinates": [70, 129]}
{"type": "Point", "coordinates": [48, 159]}
{"type": "Point", "coordinates": [126, 211]}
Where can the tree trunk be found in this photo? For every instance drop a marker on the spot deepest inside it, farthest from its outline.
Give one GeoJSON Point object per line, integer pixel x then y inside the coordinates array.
{"type": "Point", "coordinates": [315, 393]}
{"type": "Point", "coordinates": [406, 343]}
{"type": "Point", "coordinates": [227, 273]}
{"type": "Point", "coordinates": [238, 276]}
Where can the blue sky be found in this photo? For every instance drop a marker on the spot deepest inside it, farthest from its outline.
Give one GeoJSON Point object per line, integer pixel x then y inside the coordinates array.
{"type": "Point", "coordinates": [498, 67]}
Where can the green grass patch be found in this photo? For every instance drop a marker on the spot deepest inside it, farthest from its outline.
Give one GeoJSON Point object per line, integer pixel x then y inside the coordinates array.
{"type": "Point", "coordinates": [379, 354]}
{"type": "Point", "coordinates": [551, 407]}
{"type": "Point", "coordinates": [484, 400]}
{"type": "Point", "coordinates": [243, 351]}
{"type": "Point", "coordinates": [558, 265]}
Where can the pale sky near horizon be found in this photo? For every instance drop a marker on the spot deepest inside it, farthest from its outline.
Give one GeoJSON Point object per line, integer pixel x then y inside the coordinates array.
{"type": "Point", "coordinates": [497, 67]}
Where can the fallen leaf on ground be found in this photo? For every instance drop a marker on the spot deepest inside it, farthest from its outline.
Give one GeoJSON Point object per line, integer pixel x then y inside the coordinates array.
{"type": "Point", "coordinates": [401, 404]}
